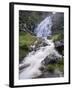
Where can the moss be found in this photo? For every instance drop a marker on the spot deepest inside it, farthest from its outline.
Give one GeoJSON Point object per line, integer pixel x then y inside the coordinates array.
{"type": "Point", "coordinates": [57, 37]}
{"type": "Point", "coordinates": [22, 54]}
{"type": "Point", "coordinates": [53, 67]}
{"type": "Point", "coordinates": [24, 47]}
{"type": "Point", "coordinates": [25, 40]}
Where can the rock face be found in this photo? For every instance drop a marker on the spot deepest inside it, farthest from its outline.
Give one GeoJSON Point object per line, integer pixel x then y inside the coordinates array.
{"type": "Point", "coordinates": [58, 23]}
{"type": "Point", "coordinates": [51, 59]}
{"type": "Point", "coordinates": [48, 60]}
{"type": "Point", "coordinates": [59, 45]}
{"type": "Point", "coordinates": [22, 67]}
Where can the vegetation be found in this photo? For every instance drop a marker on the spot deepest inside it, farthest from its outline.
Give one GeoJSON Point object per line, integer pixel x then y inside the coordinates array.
{"type": "Point", "coordinates": [57, 37]}
{"type": "Point", "coordinates": [59, 66]}
{"type": "Point", "coordinates": [25, 40]}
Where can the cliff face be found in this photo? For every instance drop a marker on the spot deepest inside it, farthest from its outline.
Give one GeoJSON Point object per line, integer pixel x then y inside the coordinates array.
{"type": "Point", "coordinates": [58, 23]}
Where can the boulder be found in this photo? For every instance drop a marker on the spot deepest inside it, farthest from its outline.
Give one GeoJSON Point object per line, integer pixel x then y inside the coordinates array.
{"type": "Point", "coordinates": [48, 60]}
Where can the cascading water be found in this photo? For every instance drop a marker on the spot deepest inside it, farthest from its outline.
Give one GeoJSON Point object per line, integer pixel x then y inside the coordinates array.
{"type": "Point", "coordinates": [44, 28]}
{"type": "Point", "coordinates": [34, 59]}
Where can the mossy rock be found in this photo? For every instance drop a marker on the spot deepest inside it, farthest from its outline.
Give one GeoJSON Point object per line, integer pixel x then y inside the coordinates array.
{"type": "Point", "coordinates": [57, 37]}
{"type": "Point", "coordinates": [52, 67]}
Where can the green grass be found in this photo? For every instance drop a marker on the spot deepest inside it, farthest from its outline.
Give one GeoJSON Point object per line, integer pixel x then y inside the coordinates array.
{"type": "Point", "coordinates": [57, 37]}
{"type": "Point", "coordinates": [25, 40]}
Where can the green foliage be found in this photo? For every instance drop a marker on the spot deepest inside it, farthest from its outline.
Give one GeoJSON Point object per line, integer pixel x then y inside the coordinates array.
{"type": "Point", "coordinates": [25, 40]}
{"type": "Point", "coordinates": [22, 54]}
{"type": "Point", "coordinates": [24, 47]}
{"type": "Point", "coordinates": [59, 66]}
{"type": "Point", "coordinates": [57, 37]}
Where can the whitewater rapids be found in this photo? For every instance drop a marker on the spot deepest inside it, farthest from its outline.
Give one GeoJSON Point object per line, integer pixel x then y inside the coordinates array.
{"type": "Point", "coordinates": [34, 60]}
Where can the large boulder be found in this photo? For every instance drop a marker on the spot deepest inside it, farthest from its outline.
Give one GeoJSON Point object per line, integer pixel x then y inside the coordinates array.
{"type": "Point", "coordinates": [49, 60]}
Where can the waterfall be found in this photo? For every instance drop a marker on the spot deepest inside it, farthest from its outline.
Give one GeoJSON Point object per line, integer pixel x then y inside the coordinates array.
{"type": "Point", "coordinates": [34, 58]}
{"type": "Point", "coordinates": [44, 28]}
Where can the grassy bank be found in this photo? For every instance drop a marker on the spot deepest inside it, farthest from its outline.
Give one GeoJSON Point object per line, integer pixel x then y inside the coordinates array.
{"type": "Point", "coordinates": [25, 40]}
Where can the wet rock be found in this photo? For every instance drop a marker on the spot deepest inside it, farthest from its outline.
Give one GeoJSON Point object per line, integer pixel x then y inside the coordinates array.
{"type": "Point", "coordinates": [49, 61]}
{"type": "Point", "coordinates": [52, 59]}
{"type": "Point", "coordinates": [32, 48]}
{"type": "Point", "coordinates": [42, 68]}
{"type": "Point", "coordinates": [45, 44]}
{"type": "Point", "coordinates": [22, 66]}
{"type": "Point", "coordinates": [59, 45]}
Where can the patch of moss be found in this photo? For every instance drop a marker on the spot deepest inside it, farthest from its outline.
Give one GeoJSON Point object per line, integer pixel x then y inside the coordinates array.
{"type": "Point", "coordinates": [22, 54]}
{"type": "Point", "coordinates": [57, 37]}
{"type": "Point", "coordinates": [59, 66]}
{"type": "Point", "coordinates": [25, 40]}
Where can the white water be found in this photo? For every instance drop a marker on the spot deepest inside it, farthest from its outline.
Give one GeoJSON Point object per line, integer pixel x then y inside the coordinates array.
{"type": "Point", "coordinates": [35, 58]}
{"type": "Point", "coordinates": [44, 28]}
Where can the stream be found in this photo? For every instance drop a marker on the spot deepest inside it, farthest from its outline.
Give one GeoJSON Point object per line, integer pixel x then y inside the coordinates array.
{"type": "Point", "coordinates": [33, 61]}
